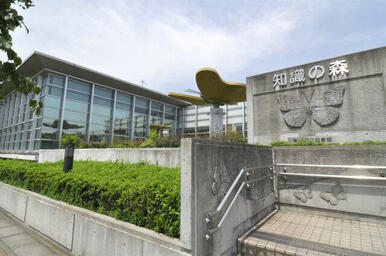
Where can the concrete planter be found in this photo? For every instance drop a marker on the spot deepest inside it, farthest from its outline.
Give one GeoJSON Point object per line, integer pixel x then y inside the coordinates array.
{"type": "Point", "coordinates": [83, 232]}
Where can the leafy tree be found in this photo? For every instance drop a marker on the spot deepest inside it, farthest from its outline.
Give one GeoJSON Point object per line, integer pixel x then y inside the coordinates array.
{"type": "Point", "coordinates": [9, 21]}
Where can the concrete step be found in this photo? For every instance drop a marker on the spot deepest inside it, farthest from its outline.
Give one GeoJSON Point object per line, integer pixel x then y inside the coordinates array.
{"type": "Point", "coordinates": [294, 233]}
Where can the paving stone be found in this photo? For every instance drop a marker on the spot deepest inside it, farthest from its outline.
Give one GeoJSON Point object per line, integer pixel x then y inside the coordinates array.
{"type": "Point", "coordinates": [280, 248]}
{"type": "Point", "coordinates": [321, 231]}
{"type": "Point", "coordinates": [290, 250]}
{"type": "Point", "coordinates": [270, 246]}
{"type": "Point", "coordinates": [312, 253]}
{"type": "Point", "coordinates": [301, 252]}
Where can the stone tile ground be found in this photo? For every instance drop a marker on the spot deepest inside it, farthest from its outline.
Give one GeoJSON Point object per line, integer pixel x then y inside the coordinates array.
{"type": "Point", "coordinates": [294, 233]}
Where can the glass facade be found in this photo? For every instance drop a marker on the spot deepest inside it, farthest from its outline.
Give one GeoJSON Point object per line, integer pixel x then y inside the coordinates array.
{"type": "Point", "coordinates": [141, 117]}
{"type": "Point", "coordinates": [123, 117]}
{"type": "Point", "coordinates": [97, 113]}
{"type": "Point", "coordinates": [72, 106]}
{"type": "Point", "coordinates": [194, 120]}
{"type": "Point", "coordinates": [101, 117]}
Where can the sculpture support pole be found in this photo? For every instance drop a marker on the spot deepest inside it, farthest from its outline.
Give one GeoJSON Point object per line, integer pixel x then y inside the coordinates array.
{"type": "Point", "coordinates": [215, 120]}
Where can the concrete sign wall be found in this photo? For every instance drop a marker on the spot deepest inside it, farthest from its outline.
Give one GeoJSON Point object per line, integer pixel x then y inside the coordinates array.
{"type": "Point", "coordinates": [340, 99]}
{"type": "Point", "coordinates": [208, 169]}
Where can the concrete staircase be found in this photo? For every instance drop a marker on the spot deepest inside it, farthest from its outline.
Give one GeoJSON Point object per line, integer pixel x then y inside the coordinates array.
{"type": "Point", "coordinates": [287, 232]}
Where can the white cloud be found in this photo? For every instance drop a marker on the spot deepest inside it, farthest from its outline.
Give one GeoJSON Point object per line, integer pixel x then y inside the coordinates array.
{"type": "Point", "coordinates": [148, 41]}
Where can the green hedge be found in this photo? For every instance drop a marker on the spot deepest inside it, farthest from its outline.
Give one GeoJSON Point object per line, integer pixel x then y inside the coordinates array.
{"type": "Point", "coordinates": [145, 195]}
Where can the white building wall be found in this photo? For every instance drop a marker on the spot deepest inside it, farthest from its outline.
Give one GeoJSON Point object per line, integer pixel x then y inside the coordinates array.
{"type": "Point", "coordinates": [196, 119]}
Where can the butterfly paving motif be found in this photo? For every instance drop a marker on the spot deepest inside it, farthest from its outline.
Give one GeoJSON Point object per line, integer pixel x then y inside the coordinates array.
{"type": "Point", "coordinates": [335, 195]}
{"type": "Point", "coordinates": [304, 195]}
{"type": "Point", "coordinates": [322, 109]}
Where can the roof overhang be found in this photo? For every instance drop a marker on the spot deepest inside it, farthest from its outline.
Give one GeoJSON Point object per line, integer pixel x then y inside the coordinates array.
{"type": "Point", "coordinates": [39, 61]}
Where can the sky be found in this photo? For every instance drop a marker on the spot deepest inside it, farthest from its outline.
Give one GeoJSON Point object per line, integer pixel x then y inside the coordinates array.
{"type": "Point", "coordinates": [164, 43]}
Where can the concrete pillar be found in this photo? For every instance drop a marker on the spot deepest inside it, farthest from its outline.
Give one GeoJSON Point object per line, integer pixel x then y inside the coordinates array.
{"type": "Point", "coordinates": [215, 121]}
{"type": "Point", "coordinates": [195, 120]}
{"type": "Point", "coordinates": [226, 118]}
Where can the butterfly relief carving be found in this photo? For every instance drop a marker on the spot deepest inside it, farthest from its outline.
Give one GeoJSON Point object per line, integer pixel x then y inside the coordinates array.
{"type": "Point", "coordinates": [322, 109]}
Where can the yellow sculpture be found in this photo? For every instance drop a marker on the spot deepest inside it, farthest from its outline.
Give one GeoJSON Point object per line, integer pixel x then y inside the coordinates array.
{"type": "Point", "coordinates": [214, 90]}
{"type": "Point", "coordinates": [189, 98]}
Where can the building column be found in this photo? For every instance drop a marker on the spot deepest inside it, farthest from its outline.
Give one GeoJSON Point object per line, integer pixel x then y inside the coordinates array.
{"type": "Point", "coordinates": [163, 114]}
{"type": "Point", "coordinates": [132, 119]}
{"type": "Point", "coordinates": [182, 122]}
{"type": "Point", "coordinates": [113, 118]}
{"type": "Point", "coordinates": [148, 119]}
{"type": "Point", "coordinates": [62, 110]}
{"type": "Point", "coordinates": [175, 120]}
{"type": "Point", "coordinates": [195, 120]}
{"type": "Point", "coordinates": [90, 114]}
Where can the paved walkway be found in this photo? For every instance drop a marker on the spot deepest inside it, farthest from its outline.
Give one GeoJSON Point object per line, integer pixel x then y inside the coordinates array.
{"type": "Point", "coordinates": [17, 240]}
{"type": "Point", "coordinates": [293, 233]}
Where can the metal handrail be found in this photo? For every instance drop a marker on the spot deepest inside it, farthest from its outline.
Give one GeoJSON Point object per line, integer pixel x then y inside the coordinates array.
{"type": "Point", "coordinates": [213, 230]}
{"type": "Point", "coordinates": [250, 182]}
{"type": "Point", "coordinates": [231, 204]}
{"type": "Point", "coordinates": [335, 166]}
{"type": "Point", "coordinates": [227, 195]}
{"type": "Point", "coordinates": [354, 177]}
{"type": "Point", "coordinates": [245, 183]}
{"type": "Point", "coordinates": [220, 207]}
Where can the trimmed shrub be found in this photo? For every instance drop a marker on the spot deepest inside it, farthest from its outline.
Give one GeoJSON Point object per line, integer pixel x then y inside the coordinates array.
{"type": "Point", "coordinates": [152, 142]}
{"type": "Point", "coordinates": [231, 136]}
{"type": "Point", "coordinates": [156, 141]}
{"type": "Point", "coordinates": [142, 194]}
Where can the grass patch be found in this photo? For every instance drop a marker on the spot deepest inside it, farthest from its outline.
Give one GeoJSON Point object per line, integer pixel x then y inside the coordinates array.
{"type": "Point", "coordinates": [142, 194]}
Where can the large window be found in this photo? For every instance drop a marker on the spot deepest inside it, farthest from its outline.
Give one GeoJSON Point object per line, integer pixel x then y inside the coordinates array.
{"type": "Point", "coordinates": [53, 85]}
{"type": "Point", "coordinates": [141, 118]}
{"type": "Point", "coordinates": [76, 110]}
{"type": "Point", "coordinates": [180, 121]}
{"type": "Point", "coordinates": [170, 117]}
{"type": "Point", "coordinates": [101, 116]}
{"type": "Point", "coordinates": [156, 113]}
{"type": "Point", "coordinates": [123, 117]}
{"type": "Point", "coordinates": [51, 96]}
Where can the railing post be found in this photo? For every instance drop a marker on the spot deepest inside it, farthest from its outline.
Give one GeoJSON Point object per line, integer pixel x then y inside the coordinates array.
{"type": "Point", "coordinates": [276, 191]}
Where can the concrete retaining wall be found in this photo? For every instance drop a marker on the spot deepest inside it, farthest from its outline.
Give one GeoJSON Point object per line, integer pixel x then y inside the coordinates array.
{"type": "Point", "coordinates": [363, 197]}
{"type": "Point", "coordinates": [81, 231]}
{"type": "Point", "coordinates": [168, 157]}
{"type": "Point", "coordinates": [207, 170]}
{"type": "Point", "coordinates": [33, 156]}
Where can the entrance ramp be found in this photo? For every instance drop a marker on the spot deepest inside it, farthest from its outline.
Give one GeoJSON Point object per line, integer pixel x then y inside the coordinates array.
{"type": "Point", "coordinates": [292, 232]}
